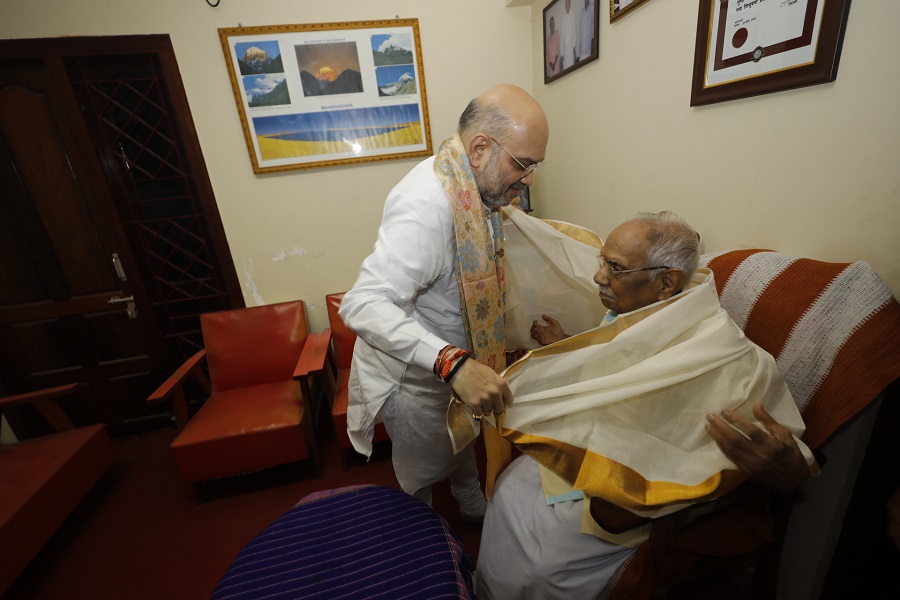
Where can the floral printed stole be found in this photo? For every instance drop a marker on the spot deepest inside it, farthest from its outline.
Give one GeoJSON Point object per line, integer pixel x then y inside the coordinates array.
{"type": "Point", "coordinates": [479, 272]}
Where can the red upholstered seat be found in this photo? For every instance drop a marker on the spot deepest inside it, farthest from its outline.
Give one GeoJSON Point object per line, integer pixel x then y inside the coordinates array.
{"type": "Point", "coordinates": [260, 411]}
{"type": "Point", "coordinates": [42, 480]}
{"type": "Point", "coordinates": [342, 341]}
{"type": "Point", "coordinates": [233, 433]}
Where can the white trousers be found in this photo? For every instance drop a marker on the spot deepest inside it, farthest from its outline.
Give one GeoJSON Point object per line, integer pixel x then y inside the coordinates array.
{"type": "Point", "coordinates": [416, 421]}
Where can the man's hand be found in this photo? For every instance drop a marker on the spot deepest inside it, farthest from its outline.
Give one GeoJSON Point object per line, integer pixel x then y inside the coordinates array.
{"type": "Point", "coordinates": [770, 456]}
{"type": "Point", "coordinates": [547, 334]}
{"type": "Point", "coordinates": [481, 389]}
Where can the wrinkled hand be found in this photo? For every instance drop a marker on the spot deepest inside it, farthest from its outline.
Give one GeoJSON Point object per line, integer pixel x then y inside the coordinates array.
{"type": "Point", "coordinates": [770, 456]}
{"type": "Point", "coordinates": [547, 334]}
{"type": "Point", "coordinates": [481, 389]}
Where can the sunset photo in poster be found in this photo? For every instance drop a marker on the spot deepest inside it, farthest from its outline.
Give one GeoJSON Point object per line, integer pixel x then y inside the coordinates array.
{"type": "Point", "coordinates": [328, 69]}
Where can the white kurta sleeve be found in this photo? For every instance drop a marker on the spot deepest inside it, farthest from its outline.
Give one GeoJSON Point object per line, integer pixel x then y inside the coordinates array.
{"type": "Point", "coordinates": [414, 249]}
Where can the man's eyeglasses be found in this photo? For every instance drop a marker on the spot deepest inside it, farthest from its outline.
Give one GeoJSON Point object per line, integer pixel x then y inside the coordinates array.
{"type": "Point", "coordinates": [527, 170]}
{"type": "Point", "coordinates": [617, 271]}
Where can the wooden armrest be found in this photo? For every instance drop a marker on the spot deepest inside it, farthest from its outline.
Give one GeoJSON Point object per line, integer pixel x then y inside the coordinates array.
{"type": "Point", "coordinates": [178, 377]}
{"type": "Point", "coordinates": [615, 519]}
{"type": "Point", "coordinates": [315, 353]}
{"type": "Point", "coordinates": [41, 399]}
{"type": "Point", "coordinates": [29, 397]}
{"type": "Point", "coordinates": [173, 387]}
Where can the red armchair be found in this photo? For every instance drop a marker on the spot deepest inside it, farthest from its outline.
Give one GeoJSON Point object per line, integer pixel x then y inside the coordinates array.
{"type": "Point", "coordinates": [43, 479]}
{"type": "Point", "coordinates": [342, 341]}
{"type": "Point", "coordinates": [260, 412]}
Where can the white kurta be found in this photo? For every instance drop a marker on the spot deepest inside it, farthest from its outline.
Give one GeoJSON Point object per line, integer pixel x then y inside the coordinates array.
{"type": "Point", "coordinates": [405, 308]}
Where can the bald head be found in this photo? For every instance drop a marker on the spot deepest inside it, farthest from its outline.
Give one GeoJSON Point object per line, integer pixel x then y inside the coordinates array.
{"type": "Point", "coordinates": [506, 112]}
{"type": "Point", "coordinates": [504, 132]}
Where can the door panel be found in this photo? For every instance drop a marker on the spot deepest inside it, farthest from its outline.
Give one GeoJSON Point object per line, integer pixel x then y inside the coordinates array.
{"type": "Point", "coordinates": [58, 325]}
{"type": "Point", "coordinates": [110, 242]}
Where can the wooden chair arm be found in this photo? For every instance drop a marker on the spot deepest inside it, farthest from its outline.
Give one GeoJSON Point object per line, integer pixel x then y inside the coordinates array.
{"type": "Point", "coordinates": [314, 355]}
{"type": "Point", "coordinates": [29, 397]}
{"type": "Point", "coordinates": [173, 387]}
{"type": "Point", "coordinates": [41, 399]}
{"type": "Point", "coordinates": [176, 379]}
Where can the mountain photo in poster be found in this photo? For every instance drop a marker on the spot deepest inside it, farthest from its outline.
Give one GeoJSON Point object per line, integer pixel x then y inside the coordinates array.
{"type": "Point", "coordinates": [329, 69]}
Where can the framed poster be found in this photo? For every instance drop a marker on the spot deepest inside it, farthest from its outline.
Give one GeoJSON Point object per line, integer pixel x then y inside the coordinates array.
{"type": "Point", "coordinates": [620, 8]}
{"type": "Point", "coordinates": [751, 47]}
{"type": "Point", "coordinates": [329, 94]}
{"type": "Point", "coordinates": [571, 29]}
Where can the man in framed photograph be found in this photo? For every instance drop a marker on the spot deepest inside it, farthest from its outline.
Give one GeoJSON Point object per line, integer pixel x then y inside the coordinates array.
{"type": "Point", "coordinates": [568, 33]}
{"type": "Point", "coordinates": [585, 41]}
{"type": "Point", "coordinates": [553, 62]}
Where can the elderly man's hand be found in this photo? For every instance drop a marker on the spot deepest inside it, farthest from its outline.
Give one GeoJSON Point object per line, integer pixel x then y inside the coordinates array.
{"type": "Point", "coordinates": [769, 456]}
{"type": "Point", "coordinates": [547, 334]}
{"type": "Point", "coordinates": [481, 389]}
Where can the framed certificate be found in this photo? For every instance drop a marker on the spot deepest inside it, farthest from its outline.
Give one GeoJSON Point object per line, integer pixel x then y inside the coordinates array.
{"type": "Point", "coordinates": [752, 47]}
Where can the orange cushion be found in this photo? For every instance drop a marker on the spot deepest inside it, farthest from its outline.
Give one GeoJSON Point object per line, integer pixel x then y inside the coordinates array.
{"type": "Point", "coordinates": [243, 430]}
{"type": "Point", "coordinates": [254, 345]}
{"type": "Point", "coordinates": [342, 337]}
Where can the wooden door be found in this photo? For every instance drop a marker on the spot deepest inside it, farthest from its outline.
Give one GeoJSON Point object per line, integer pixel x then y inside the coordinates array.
{"type": "Point", "coordinates": [110, 242]}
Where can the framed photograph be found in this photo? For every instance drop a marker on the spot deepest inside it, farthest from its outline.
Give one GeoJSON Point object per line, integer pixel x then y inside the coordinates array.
{"type": "Point", "coordinates": [525, 199]}
{"type": "Point", "coordinates": [329, 94]}
{"type": "Point", "coordinates": [571, 28]}
{"type": "Point", "coordinates": [620, 8]}
{"type": "Point", "coordinates": [751, 47]}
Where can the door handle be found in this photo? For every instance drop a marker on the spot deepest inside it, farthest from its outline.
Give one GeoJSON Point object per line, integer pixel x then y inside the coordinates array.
{"type": "Point", "coordinates": [117, 265]}
{"type": "Point", "coordinates": [130, 309]}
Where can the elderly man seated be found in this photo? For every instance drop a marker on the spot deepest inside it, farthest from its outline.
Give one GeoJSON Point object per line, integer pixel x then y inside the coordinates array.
{"type": "Point", "coordinates": [659, 404]}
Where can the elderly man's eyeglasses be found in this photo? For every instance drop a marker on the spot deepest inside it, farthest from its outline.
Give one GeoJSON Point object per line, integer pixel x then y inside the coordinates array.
{"type": "Point", "coordinates": [527, 170]}
{"type": "Point", "coordinates": [616, 269]}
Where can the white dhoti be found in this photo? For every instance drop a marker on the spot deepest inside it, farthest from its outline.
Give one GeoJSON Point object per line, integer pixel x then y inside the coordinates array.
{"type": "Point", "coordinates": [538, 551]}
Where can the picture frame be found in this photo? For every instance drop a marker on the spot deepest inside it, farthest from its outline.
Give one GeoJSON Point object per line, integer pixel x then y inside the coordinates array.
{"type": "Point", "coordinates": [329, 94]}
{"type": "Point", "coordinates": [620, 8]}
{"type": "Point", "coordinates": [581, 18]}
{"type": "Point", "coordinates": [525, 199]}
{"type": "Point", "coordinates": [748, 48]}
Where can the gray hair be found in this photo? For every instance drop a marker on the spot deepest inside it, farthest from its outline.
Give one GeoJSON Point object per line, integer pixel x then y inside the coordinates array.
{"type": "Point", "coordinates": [486, 117]}
{"type": "Point", "coordinates": [673, 242]}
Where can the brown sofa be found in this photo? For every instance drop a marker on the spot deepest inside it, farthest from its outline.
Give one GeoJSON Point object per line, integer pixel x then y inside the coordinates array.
{"type": "Point", "coordinates": [43, 479]}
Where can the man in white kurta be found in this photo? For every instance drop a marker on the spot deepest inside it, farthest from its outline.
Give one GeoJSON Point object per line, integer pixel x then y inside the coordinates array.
{"type": "Point", "coordinates": [632, 394]}
{"type": "Point", "coordinates": [568, 33]}
{"type": "Point", "coordinates": [585, 39]}
{"type": "Point", "coordinates": [405, 306]}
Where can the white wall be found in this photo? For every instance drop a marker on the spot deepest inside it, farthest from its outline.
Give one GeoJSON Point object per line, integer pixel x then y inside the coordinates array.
{"type": "Point", "coordinates": [810, 172]}
{"type": "Point", "coordinates": [813, 172]}
{"type": "Point", "coordinates": [323, 220]}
